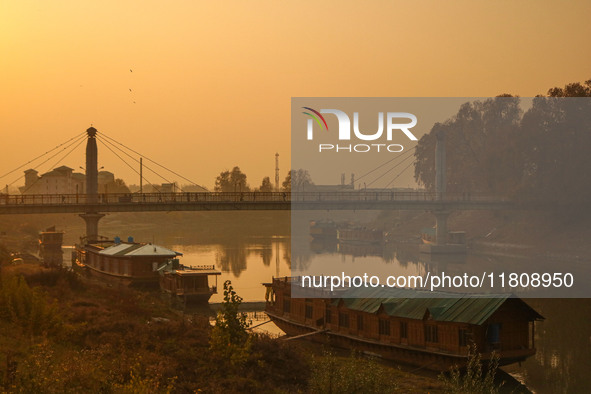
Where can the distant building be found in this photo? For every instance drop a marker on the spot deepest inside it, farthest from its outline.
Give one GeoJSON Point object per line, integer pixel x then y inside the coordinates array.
{"type": "Point", "coordinates": [63, 180]}
{"type": "Point", "coordinates": [60, 180]}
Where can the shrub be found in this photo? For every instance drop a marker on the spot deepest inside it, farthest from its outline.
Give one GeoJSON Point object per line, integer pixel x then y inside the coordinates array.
{"type": "Point", "coordinates": [471, 380]}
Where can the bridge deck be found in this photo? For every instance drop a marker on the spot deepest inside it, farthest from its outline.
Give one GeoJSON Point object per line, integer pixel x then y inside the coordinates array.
{"type": "Point", "coordinates": [146, 202]}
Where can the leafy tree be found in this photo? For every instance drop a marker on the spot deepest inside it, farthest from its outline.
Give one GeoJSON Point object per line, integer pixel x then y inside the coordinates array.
{"type": "Point", "coordinates": [297, 180]}
{"type": "Point", "coordinates": [266, 185]}
{"type": "Point", "coordinates": [572, 90]}
{"type": "Point", "coordinates": [480, 149]}
{"type": "Point", "coordinates": [231, 181]}
{"type": "Point", "coordinates": [229, 339]}
{"type": "Point", "coordinates": [116, 186]}
{"type": "Point", "coordinates": [286, 185]}
{"type": "Point", "coordinates": [493, 147]}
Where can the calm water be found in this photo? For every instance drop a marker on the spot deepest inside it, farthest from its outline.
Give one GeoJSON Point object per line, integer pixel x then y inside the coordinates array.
{"type": "Point", "coordinates": [563, 340]}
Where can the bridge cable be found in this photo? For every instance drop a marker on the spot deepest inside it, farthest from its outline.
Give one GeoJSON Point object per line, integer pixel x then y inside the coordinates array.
{"type": "Point", "coordinates": [385, 173]}
{"type": "Point", "coordinates": [40, 156]}
{"type": "Point", "coordinates": [383, 164]}
{"type": "Point", "coordinates": [147, 158]}
{"type": "Point", "coordinates": [77, 142]}
{"type": "Point", "coordinates": [129, 165]}
{"type": "Point", "coordinates": [133, 158]}
{"type": "Point", "coordinates": [137, 161]}
{"type": "Point", "coordinates": [51, 157]}
{"type": "Point", "coordinates": [399, 174]}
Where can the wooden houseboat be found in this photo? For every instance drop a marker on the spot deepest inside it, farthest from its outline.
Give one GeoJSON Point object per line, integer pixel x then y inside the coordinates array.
{"type": "Point", "coordinates": [404, 326]}
{"type": "Point", "coordinates": [130, 263]}
{"type": "Point", "coordinates": [190, 284]}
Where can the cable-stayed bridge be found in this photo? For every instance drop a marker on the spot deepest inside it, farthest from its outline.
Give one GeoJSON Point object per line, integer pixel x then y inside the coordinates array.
{"type": "Point", "coordinates": [91, 205]}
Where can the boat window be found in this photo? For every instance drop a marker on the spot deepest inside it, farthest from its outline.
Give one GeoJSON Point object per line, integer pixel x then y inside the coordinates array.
{"type": "Point", "coordinates": [360, 322]}
{"type": "Point", "coordinates": [328, 314]}
{"type": "Point", "coordinates": [287, 305]}
{"type": "Point", "coordinates": [343, 319]}
{"type": "Point", "coordinates": [384, 327]}
{"type": "Point", "coordinates": [463, 337]}
{"type": "Point", "coordinates": [431, 333]}
{"type": "Point", "coordinates": [403, 329]}
{"type": "Point", "coordinates": [493, 333]}
{"type": "Point", "coordinates": [309, 310]}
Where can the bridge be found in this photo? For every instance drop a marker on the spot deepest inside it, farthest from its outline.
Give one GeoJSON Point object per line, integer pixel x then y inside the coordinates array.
{"type": "Point", "coordinates": [92, 205]}
{"type": "Point", "coordinates": [236, 201]}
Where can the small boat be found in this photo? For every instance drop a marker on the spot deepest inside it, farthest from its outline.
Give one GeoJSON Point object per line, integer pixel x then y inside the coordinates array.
{"type": "Point", "coordinates": [323, 230]}
{"type": "Point", "coordinates": [191, 284]}
{"type": "Point", "coordinates": [405, 326]}
{"type": "Point", "coordinates": [429, 237]}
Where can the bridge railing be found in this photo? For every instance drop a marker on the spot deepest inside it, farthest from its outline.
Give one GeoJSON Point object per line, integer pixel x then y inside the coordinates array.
{"type": "Point", "coordinates": [204, 197]}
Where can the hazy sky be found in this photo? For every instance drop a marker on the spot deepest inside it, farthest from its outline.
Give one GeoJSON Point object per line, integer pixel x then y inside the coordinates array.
{"type": "Point", "coordinates": [212, 80]}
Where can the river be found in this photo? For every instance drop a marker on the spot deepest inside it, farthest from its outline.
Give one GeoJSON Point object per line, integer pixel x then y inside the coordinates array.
{"type": "Point", "coordinates": [563, 339]}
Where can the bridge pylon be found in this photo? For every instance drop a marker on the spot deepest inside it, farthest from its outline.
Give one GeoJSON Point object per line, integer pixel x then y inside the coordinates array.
{"type": "Point", "coordinates": [91, 218]}
{"type": "Point", "coordinates": [441, 215]}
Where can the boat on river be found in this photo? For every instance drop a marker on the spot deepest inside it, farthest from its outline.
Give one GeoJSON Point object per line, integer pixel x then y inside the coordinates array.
{"type": "Point", "coordinates": [190, 284]}
{"type": "Point", "coordinates": [145, 265]}
{"type": "Point", "coordinates": [405, 326]}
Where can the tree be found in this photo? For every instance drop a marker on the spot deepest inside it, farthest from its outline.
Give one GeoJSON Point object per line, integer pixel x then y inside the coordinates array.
{"type": "Point", "coordinates": [266, 185]}
{"type": "Point", "coordinates": [480, 147]}
{"type": "Point", "coordinates": [116, 186]}
{"type": "Point", "coordinates": [229, 339]}
{"type": "Point", "coordinates": [231, 181]}
{"type": "Point", "coordinates": [494, 148]}
{"type": "Point", "coordinates": [286, 185]}
{"type": "Point", "coordinates": [298, 180]}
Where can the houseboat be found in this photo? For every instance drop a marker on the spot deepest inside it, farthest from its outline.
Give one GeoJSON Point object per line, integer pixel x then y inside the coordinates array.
{"type": "Point", "coordinates": [405, 326]}
{"type": "Point", "coordinates": [190, 284]}
{"type": "Point", "coordinates": [428, 236]}
{"type": "Point", "coordinates": [130, 263]}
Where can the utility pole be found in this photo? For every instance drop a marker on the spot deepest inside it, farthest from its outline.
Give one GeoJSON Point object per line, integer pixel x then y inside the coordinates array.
{"type": "Point", "coordinates": [276, 171]}
{"type": "Point", "coordinates": [141, 177]}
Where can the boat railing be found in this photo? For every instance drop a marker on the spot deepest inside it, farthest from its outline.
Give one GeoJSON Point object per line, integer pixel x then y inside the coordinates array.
{"type": "Point", "coordinates": [200, 267]}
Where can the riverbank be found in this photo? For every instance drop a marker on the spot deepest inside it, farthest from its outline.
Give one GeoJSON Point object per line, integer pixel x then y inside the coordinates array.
{"type": "Point", "coordinates": [61, 334]}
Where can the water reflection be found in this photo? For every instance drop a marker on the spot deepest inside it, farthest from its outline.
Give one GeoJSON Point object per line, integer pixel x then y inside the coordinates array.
{"type": "Point", "coordinates": [563, 340]}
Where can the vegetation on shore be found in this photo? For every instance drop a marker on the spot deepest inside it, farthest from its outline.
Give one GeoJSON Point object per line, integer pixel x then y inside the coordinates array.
{"type": "Point", "coordinates": [58, 334]}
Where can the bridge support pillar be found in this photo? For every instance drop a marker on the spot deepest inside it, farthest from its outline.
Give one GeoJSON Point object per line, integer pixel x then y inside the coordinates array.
{"type": "Point", "coordinates": [91, 219]}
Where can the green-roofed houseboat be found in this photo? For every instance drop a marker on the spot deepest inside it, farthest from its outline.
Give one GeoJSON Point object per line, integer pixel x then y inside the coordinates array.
{"type": "Point", "coordinates": [405, 326]}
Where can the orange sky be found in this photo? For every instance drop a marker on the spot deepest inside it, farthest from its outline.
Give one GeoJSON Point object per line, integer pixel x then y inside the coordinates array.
{"type": "Point", "coordinates": [212, 81]}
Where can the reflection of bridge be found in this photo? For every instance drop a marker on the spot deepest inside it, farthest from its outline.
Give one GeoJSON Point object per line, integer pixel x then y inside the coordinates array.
{"type": "Point", "coordinates": [152, 202]}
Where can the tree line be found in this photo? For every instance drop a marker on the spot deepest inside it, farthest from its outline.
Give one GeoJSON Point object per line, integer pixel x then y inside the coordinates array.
{"type": "Point", "coordinates": [235, 181]}
{"type": "Point", "coordinates": [495, 147]}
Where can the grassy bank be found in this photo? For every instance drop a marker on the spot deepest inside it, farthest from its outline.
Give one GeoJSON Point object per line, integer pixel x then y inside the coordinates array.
{"type": "Point", "coordinates": [58, 334]}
